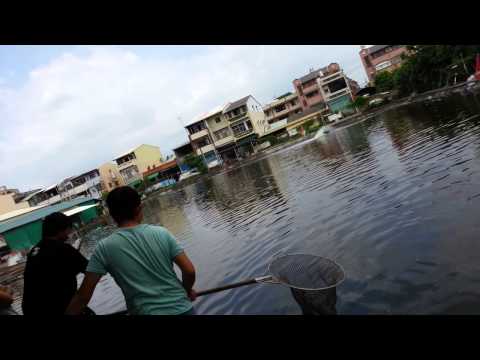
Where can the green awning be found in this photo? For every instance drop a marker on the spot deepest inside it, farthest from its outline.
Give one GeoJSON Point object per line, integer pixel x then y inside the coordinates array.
{"type": "Point", "coordinates": [135, 183]}
{"type": "Point", "coordinates": [152, 177]}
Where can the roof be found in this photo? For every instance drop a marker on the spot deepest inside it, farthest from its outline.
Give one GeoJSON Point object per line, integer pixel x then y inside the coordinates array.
{"type": "Point", "coordinates": [313, 74]}
{"type": "Point", "coordinates": [181, 146]}
{"type": "Point", "coordinates": [236, 104]}
{"type": "Point", "coordinates": [50, 187]}
{"type": "Point", "coordinates": [375, 48]}
{"type": "Point", "coordinates": [280, 100]}
{"type": "Point", "coordinates": [128, 152]}
{"type": "Point", "coordinates": [32, 195]}
{"type": "Point", "coordinates": [162, 167]}
{"type": "Point", "coordinates": [40, 213]}
{"type": "Point", "coordinates": [18, 212]}
{"type": "Point", "coordinates": [215, 110]}
{"type": "Point", "coordinates": [78, 209]}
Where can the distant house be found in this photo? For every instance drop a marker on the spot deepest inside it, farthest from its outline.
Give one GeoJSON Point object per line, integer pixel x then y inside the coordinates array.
{"type": "Point", "coordinates": [133, 163]}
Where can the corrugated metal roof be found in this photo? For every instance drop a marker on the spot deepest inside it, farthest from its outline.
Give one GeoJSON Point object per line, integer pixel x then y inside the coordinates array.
{"type": "Point", "coordinates": [375, 48]}
{"type": "Point", "coordinates": [78, 209]}
{"type": "Point", "coordinates": [40, 214]}
{"type": "Point", "coordinates": [215, 110]}
{"type": "Point", "coordinates": [236, 104]}
{"type": "Point", "coordinates": [19, 212]}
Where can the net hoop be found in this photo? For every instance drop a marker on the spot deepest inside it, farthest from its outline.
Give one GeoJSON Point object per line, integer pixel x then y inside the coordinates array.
{"type": "Point", "coordinates": [333, 263]}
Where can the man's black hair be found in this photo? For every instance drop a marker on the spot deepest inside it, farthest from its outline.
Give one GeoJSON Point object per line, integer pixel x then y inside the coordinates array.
{"type": "Point", "coordinates": [122, 203]}
{"type": "Point", "coordinates": [54, 224]}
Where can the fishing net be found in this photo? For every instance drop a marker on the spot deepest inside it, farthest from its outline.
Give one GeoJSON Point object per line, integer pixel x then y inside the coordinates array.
{"type": "Point", "coordinates": [312, 280]}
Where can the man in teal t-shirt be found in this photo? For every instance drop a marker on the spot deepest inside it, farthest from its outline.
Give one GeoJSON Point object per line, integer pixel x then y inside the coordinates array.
{"type": "Point", "coordinates": [140, 258]}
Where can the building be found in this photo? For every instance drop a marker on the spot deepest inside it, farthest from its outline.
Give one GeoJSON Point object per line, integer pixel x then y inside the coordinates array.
{"type": "Point", "coordinates": [181, 152]}
{"type": "Point", "coordinates": [24, 230]}
{"type": "Point", "coordinates": [201, 136]}
{"type": "Point", "coordinates": [167, 172]}
{"type": "Point", "coordinates": [378, 58]}
{"type": "Point", "coordinates": [10, 200]}
{"type": "Point", "coordinates": [86, 184]}
{"type": "Point", "coordinates": [135, 162]}
{"type": "Point", "coordinates": [328, 88]}
{"type": "Point", "coordinates": [281, 108]}
{"type": "Point", "coordinates": [110, 177]}
{"type": "Point", "coordinates": [242, 123]}
{"type": "Point", "coordinates": [228, 131]}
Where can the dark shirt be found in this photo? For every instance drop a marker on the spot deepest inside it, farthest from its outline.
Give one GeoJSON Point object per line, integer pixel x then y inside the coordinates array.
{"type": "Point", "coordinates": [50, 278]}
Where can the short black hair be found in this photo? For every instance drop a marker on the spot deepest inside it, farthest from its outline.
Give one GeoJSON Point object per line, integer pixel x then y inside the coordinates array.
{"type": "Point", "coordinates": [55, 223]}
{"type": "Point", "coordinates": [122, 203]}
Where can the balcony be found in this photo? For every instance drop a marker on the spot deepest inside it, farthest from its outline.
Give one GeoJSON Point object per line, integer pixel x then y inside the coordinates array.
{"type": "Point", "coordinates": [236, 117]}
{"type": "Point", "coordinates": [205, 149]}
{"type": "Point", "coordinates": [331, 77]}
{"type": "Point", "coordinates": [199, 134]}
{"type": "Point", "coordinates": [224, 141]}
{"type": "Point", "coordinates": [129, 178]}
{"type": "Point", "coordinates": [127, 164]}
{"type": "Point", "coordinates": [240, 134]}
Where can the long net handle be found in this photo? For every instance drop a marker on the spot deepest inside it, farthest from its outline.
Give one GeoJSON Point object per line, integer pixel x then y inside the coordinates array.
{"type": "Point", "coordinates": [227, 287]}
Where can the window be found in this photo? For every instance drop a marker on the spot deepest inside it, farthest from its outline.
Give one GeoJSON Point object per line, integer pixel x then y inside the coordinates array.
{"type": "Point", "coordinates": [116, 183]}
{"type": "Point", "coordinates": [293, 102]}
{"type": "Point", "coordinates": [222, 133]}
{"type": "Point", "coordinates": [241, 128]}
{"type": "Point", "coordinates": [309, 83]}
{"type": "Point", "coordinates": [312, 94]}
{"type": "Point", "coordinates": [218, 119]}
{"type": "Point", "coordinates": [280, 108]}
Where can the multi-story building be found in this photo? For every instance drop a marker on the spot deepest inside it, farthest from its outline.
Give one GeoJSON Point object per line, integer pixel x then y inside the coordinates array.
{"type": "Point", "coordinates": [246, 120]}
{"type": "Point", "coordinates": [87, 184]}
{"type": "Point", "coordinates": [135, 162]}
{"type": "Point", "coordinates": [110, 177]}
{"type": "Point", "coordinates": [328, 88]}
{"type": "Point", "coordinates": [201, 136]}
{"type": "Point", "coordinates": [283, 107]}
{"type": "Point", "coordinates": [378, 58]}
{"type": "Point", "coordinates": [228, 131]}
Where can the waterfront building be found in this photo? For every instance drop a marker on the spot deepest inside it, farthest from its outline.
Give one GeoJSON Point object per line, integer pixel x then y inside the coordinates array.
{"type": "Point", "coordinates": [181, 152]}
{"type": "Point", "coordinates": [166, 172]}
{"type": "Point", "coordinates": [378, 58]}
{"type": "Point", "coordinates": [86, 184]}
{"type": "Point", "coordinates": [133, 163]}
{"type": "Point", "coordinates": [110, 177]}
{"type": "Point", "coordinates": [327, 89]}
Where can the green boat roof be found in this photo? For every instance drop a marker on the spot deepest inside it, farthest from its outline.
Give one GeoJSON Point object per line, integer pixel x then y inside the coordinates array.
{"type": "Point", "coordinates": [35, 215]}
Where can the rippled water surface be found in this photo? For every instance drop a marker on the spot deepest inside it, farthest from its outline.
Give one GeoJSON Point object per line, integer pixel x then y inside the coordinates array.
{"type": "Point", "coordinates": [395, 200]}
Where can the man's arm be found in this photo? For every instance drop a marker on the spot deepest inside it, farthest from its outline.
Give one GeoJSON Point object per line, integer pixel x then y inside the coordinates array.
{"type": "Point", "coordinates": [84, 294]}
{"type": "Point", "coordinates": [188, 273]}
{"type": "Point", "coordinates": [6, 297]}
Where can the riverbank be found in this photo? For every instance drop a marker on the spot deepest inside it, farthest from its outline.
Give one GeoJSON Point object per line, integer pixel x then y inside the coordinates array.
{"type": "Point", "coordinates": [463, 88]}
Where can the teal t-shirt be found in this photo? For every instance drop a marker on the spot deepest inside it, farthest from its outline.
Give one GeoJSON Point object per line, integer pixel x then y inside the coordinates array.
{"type": "Point", "coordinates": [140, 259]}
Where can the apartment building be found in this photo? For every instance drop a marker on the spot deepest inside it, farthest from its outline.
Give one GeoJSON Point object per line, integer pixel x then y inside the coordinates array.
{"type": "Point", "coordinates": [87, 184]}
{"type": "Point", "coordinates": [328, 88]}
{"type": "Point", "coordinates": [135, 162]}
{"type": "Point", "coordinates": [280, 110]}
{"type": "Point", "coordinates": [378, 58]}
{"type": "Point", "coordinates": [110, 177]}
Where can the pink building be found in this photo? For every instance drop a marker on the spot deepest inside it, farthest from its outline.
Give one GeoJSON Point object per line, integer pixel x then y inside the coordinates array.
{"type": "Point", "coordinates": [378, 58]}
{"type": "Point", "coordinates": [327, 87]}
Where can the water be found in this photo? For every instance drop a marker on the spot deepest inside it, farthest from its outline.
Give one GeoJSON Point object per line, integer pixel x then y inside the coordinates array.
{"type": "Point", "coordinates": [393, 199]}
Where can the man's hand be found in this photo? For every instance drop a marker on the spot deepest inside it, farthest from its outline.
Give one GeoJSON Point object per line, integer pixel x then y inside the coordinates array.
{"type": "Point", "coordinates": [84, 294]}
{"type": "Point", "coordinates": [192, 295]}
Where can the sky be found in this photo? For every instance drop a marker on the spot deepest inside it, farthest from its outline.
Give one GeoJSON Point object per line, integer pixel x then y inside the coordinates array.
{"type": "Point", "coordinates": [65, 110]}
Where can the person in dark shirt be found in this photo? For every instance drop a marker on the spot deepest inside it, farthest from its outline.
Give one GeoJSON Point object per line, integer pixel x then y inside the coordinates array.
{"type": "Point", "coordinates": [50, 277]}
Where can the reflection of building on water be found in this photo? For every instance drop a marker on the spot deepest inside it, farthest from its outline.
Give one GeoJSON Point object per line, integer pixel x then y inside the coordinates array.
{"type": "Point", "coordinates": [167, 211]}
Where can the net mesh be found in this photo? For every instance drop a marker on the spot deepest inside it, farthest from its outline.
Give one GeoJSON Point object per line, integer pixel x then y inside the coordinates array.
{"type": "Point", "coordinates": [312, 281]}
{"type": "Point", "coordinates": [306, 272]}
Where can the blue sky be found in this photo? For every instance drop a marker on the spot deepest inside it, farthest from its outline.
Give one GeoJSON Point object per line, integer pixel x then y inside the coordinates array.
{"type": "Point", "coordinates": [72, 108]}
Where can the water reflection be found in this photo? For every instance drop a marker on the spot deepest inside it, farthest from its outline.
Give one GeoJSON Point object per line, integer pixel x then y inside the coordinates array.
{"type": "Point", "coordinates": [393, 199]}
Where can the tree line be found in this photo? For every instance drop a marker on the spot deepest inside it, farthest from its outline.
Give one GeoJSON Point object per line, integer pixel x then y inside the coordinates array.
{"type": "Point", "coordinates": [427, 67]}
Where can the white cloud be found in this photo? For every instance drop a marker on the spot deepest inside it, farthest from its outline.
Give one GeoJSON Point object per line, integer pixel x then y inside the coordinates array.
{"type": "Point", "coordinates": [79, 111]}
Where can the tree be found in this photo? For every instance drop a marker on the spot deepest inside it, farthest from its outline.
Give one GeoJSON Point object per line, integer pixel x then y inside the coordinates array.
{"type": "Point", "coordinates": [384, 81]}
{"type": "Point", "coordinates": [359, 103]}
{"type": "Point", "coordinates": [197, 162]}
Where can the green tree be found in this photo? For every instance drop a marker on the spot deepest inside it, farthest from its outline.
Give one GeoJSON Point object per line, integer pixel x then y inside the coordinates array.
{"type": "Point", "coordinates": [384, 81]}
{"type": "Point", "coordinates": [197, 162]}
{"type": "Point", "coordinates": [360, 102]}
